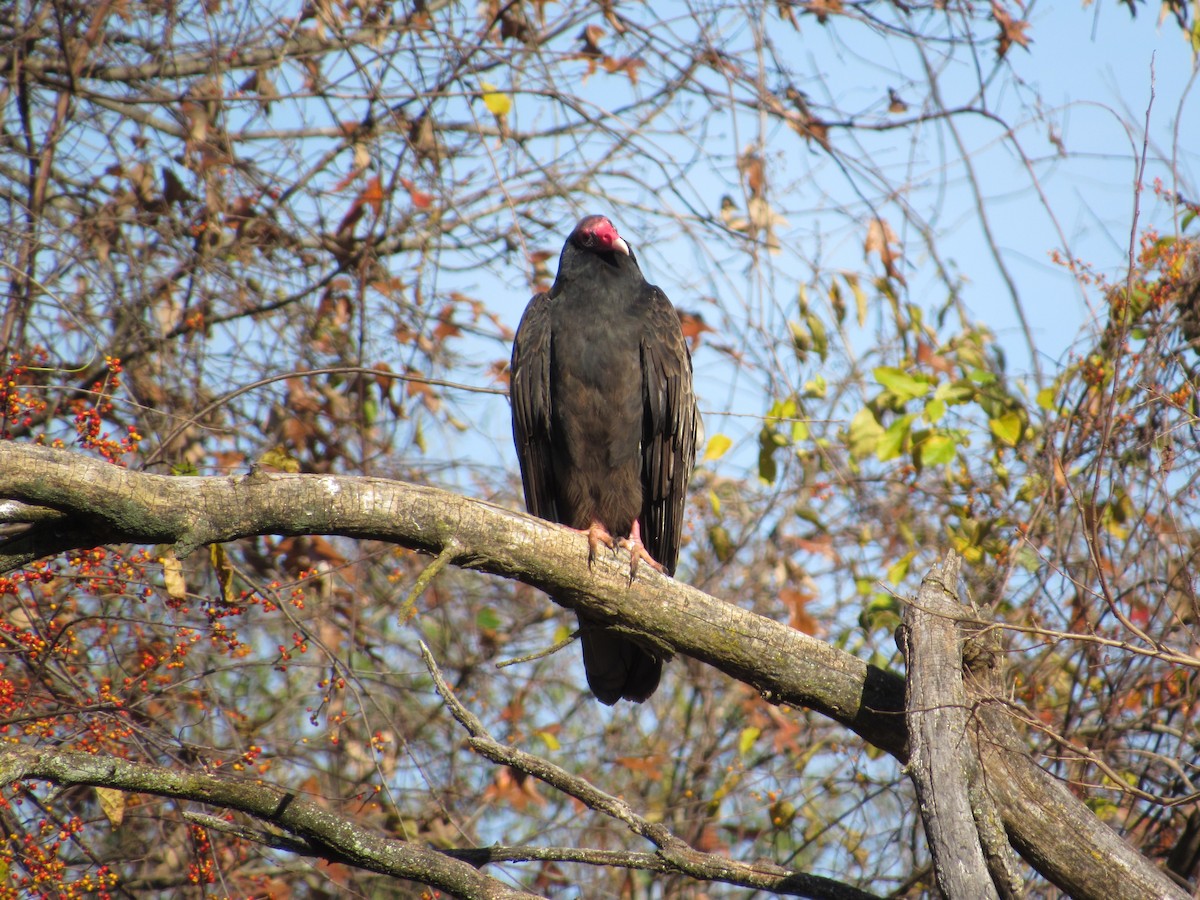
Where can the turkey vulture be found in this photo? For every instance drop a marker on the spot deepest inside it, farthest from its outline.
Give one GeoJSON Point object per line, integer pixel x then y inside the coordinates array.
{"type": "Point", "coordinates": [605, 422]}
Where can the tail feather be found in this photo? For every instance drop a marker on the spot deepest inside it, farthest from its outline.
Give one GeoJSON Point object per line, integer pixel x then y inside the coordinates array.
{"type": "Point", "coordinates": [616, 667]}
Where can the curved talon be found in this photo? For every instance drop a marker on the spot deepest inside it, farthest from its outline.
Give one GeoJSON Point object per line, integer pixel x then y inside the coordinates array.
{"type": "Point", "coordinates": [637, 551]}
{"type": "Point", "coordinates": [597, 534]}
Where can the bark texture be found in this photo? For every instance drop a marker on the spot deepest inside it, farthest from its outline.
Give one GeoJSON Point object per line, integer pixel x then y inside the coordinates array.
{"type": "Point", "coordinates": [92, 502]}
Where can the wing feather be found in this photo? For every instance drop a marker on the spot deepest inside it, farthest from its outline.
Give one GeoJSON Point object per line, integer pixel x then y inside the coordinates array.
{"type": "Point", "coordinates": [529, 389]}
{"type": "Point", "coordinates": [669, 429]}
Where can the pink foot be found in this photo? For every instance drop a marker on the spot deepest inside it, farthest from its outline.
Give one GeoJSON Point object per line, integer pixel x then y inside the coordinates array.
{"type": "Point", "coordinates": [637, 550]}
{"type": "Point", "coordinates": [597, 534]}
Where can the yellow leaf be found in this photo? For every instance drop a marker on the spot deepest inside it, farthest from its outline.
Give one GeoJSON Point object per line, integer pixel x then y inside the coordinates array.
{"type": "Point", "coordinates": [498, 104]}
{"type": "Point", "coordinates": [1007, 428]}
{"type": "Point", "coordinates": [112, 803]}
{"type": "Point", "coordinates": [860, 297]}
{"type": "Point", "coordinates": [717, 447]}
{"type": "Point", "coordinates": [549, 740]}
{"type": "Point", "coordinates": [173, 576]}
{"type": "Point", "coordinates": [747, 738]}
{"type": "Point", "coordinates": [279, 459]}
{"type": "Point", "coordinates": [224, 571]}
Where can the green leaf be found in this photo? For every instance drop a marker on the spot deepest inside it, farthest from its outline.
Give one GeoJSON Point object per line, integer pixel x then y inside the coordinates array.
{"type": "Point", "coordinates": [718, 446]}
{"type": "Point", "coordinates": [900, 384]}
{"type": "Point", "coordinates": [981, 376]}
{"type": "Point", "coordinates": [1006, 428]}
{"type": "Point", "coordinates": [487, 620]}
{"type": "Point", "coordinates": [820, 339]}
{"type": "Point", "coordinates": [954, 392]}
{"type": "Point", "coordinates": [892, 443]}
{"type": "Point", "coordinates": [722, 544]}
{"type": "Point", "coordinates": [1045, 399]}
{"type": "Point", "coordinates": [801, 339]}
{"type": "Point", "coordinates": [1027, 558]}
{"type": "Point", "coordinates": [279, 458]}
{"type": "Point", "coordinates": [747, 738]}
{"type": "Point", "coordinates": [783, 813]}
{"type": "Point", "coordinates": [899, 569]}
{"type": "Point", "coordinates": [938, 449]}
{"type": "Point", "coordinates": [816, 387]}
{"type": "Point", "coordinates": [934, 410]}
{"type": "Point", "coordinates": [865, 432]}
{"type": "Point", "coordinates": [767, 469]}
{"type": "Point", "coordinates": [782, 409]}
{"type": "Point", "coordinates": [860, 297]}
{"type": "Point", "coordinates": [835, 298]}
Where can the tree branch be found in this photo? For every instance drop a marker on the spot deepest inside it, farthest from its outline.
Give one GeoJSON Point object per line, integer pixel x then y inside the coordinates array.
{"type": "Point", "coordinates": [326, 833]}
{"type": "Point", "coordinates": [676, 852]}
{"type": "Point", "coordinates": [104, 503]}
{"type": "Point", "coordinates": [944, 761]}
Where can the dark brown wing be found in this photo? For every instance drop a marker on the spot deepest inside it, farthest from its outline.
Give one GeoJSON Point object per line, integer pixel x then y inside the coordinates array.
{"type": "Point", "coordinates": [668, 430]}
{"type": "Point", "coordinates": [529, 389]}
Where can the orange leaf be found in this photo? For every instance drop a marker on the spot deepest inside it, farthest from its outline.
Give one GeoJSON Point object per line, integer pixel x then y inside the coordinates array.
{"type": "Point", "coordinates": [1012, 31]}
{"type": "Point", "coordinates": [627, 64]}
{"type": "Point", "coordinates": [515, 788]}
{"type": "Point", "coordinates": [880, 238]}
{"type": "Point", "coordinates": [751, 166]}
{"type": "Point", "coordinates": [649, 766]}
{"type": "Point", "coordinates": [796, 601]}
{"type": "Point", "coordinates": [693, 325]}
{"type": "Point", "coordinates": [420, 199]}
{"type": "Point", "coordinates": [591, 40]}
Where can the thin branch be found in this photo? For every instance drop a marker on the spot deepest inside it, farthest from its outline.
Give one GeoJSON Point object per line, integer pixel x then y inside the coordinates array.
{"type": "Point", "coordinates": [673, 850]}
{"type": "Point", "coordinates": [327, 834]}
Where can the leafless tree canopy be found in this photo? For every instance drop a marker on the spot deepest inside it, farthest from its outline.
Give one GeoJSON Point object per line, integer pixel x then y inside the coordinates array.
{"type": "Point", "coordinates": [269, 624]}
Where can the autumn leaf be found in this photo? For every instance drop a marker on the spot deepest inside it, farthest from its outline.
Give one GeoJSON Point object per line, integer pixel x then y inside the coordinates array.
{"type": "Point", "coordinates": [112, 804]}
{"type": "Point", "coordinates": [649, 767]}
{"type": "Point", "coordinates": [419, 198]}
{"type": "Point", "coordinates": [173, 576]}
{"type": "Point", "coordinates": [498, 104]}
{"type": "Point", "coordinates": [822, 9]}
{"type": "Point", "coordinates": [591, 41]}
{"type": "Point", "coordinates": [717, 447]}
{"type": "Point", "coordinates": [1012, 31]}
{"type": "Point", "coordinates": [224, 572]}
{"type": "Point", "coordinates": [515, 788]}
{"type": "Point", "coordinates": [627, 64]}
{"type": "Point", "coordinates": [798, 616]}
{"type": "Point", "coordinates": [880, 238]}
{"type": "Point", "coordinates": [693, 325]}
{"type": "Point", "coordinates": [750, 164]}
{"type": "Point", "coordinates": [372, 194]}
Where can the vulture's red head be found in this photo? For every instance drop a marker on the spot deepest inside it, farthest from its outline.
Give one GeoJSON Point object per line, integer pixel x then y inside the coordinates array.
{"type": "Point", "coordinates": [599, 235]}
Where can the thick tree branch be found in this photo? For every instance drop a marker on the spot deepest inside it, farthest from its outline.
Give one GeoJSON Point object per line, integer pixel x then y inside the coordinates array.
{"type": "Point", "coordinates": [325, 833]}
{"type": "Point", "coordinates": [103, 503]}
{"type": "Point", "coordinates": [944, 760]}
